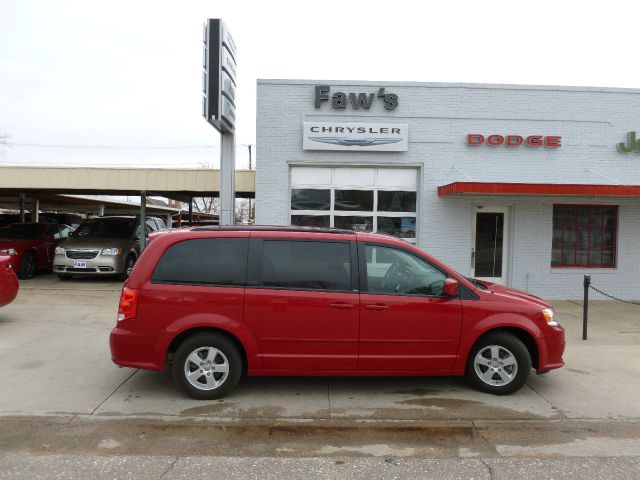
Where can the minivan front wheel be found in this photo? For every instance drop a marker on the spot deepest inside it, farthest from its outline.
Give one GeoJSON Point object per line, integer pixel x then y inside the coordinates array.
{"type": "Point", "coordinates": [498, 363]}
{"type": "Point", "coordinates": [207, 366]}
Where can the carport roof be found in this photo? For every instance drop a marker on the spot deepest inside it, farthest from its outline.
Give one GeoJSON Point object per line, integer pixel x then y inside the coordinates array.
{"type": "Point", "coordinates": [179, 184]}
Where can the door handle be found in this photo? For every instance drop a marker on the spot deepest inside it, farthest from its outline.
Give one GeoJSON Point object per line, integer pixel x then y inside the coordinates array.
{"type": "Point", "coordinates": [378, 307]}
{"type": "Point", "coordinates": [341, 306]}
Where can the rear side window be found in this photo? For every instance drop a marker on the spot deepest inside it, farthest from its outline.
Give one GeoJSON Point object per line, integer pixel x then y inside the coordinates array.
{"type": "Point", "coordinates": [306, 265]}
{"type": "Point", "coordinates": [206, 261]}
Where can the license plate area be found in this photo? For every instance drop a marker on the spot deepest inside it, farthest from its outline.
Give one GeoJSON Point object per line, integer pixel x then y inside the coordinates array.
{"type": "Point", "coordinates": [79, 264]}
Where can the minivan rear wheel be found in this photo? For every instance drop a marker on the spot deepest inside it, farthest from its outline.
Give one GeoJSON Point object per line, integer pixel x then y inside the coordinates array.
{"type": "Point", "coordinates": [498, 363]}
{"type": "Point", "coordinates": [207, 366]}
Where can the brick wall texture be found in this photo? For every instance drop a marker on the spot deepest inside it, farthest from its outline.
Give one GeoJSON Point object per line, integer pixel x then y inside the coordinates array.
{"type": "Point", "coordinates": [591, 121]}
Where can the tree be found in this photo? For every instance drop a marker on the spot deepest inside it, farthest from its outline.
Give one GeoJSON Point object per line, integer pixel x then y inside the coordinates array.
{"type": "Point", "coordinates": [4, 141]}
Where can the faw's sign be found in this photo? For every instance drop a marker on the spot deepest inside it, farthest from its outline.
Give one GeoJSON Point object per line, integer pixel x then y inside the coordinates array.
{"type": "Point", "coordinates": [495, 140]}
{"type": "Point", "coordinates": [355, 100]}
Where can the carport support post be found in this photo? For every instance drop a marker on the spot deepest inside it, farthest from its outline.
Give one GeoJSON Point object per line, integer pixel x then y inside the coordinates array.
{"type": "Point", "coordinates": [35, 217]}
{"type": "Point", "coordinates": [227, 178]}
{"type": "Point", "coordinates": [143, 220]}
{"type": "Point", "coordinates": [190, 211]}
{"type": "Point", "coordinates": [22, 202]}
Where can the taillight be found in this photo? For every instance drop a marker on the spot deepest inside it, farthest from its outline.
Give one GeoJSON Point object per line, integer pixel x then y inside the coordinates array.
{"type": "Point", "coordinates": [128, 306]}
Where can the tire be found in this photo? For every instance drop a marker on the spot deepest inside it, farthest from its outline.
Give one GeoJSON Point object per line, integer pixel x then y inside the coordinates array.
{"type": "Point", "coordinates": [506, 355]}
{"type": "Point", "coordinates": [128, 266]}
{"type": "Point", "coordinates": [64, 278]}
{"type": "Point", "coordinates": [27, 265]}
{"type": "Point", "coordinates": [222, 352]}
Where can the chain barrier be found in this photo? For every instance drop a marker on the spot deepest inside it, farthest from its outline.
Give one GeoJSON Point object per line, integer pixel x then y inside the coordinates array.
{"type": "Point", "coordinates": [612, 297]}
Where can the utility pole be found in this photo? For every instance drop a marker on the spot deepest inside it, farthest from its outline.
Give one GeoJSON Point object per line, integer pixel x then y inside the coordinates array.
{"type": "Point", "coordinates": [250, 217]}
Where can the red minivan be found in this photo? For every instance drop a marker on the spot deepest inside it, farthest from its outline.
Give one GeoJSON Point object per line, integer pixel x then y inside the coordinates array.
{"type": "Point", "coordinates": [215, 303]}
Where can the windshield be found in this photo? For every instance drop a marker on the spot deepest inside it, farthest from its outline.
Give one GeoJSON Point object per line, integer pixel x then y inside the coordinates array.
{"type": "Point", "coordinates": [21, 230]}
{"type": "Point", "coordinates": [106, 228]}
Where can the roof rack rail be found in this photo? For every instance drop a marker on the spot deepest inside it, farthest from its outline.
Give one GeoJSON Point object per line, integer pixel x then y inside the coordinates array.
{"type": "Point", "coordinates": [272, 228]}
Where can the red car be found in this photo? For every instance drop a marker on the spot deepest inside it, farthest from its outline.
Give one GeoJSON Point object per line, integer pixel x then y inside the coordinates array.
{"type": "Point", "coordinates": [8, 281]}
{"type": "Point", "coordinates": [31, 246]}
{"type": "Point", "coordinates": [215, 303]}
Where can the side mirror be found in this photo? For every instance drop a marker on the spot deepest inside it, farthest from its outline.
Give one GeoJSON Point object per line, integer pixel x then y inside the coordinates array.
{"type": "Point", "coordinates": [451, 287]}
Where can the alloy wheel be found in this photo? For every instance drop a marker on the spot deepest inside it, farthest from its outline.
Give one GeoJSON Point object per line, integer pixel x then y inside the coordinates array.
{"type": "Point", "coordinates": [495, 365]}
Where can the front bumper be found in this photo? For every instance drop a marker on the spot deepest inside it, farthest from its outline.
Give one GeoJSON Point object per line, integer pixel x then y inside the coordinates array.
{"type": "Point", "coordinates": [554, 345]}
{"type": "Point", "coordinates": [101, 264]}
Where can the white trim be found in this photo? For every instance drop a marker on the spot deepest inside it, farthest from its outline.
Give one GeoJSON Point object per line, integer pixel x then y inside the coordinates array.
{"type": "Point", "coordinates": [506, 240]}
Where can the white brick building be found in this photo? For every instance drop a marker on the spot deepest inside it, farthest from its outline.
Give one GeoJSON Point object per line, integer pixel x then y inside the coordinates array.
{"type": "Point", "coordinates": [575, 208]}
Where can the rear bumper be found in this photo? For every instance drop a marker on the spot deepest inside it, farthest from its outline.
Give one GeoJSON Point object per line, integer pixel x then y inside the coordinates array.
{"type": "Point", "coordinates": [135, 349]}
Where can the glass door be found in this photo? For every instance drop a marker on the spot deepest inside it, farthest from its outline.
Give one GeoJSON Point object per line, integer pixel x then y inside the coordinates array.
{"type": "Point", "coordinates": [489, 252]}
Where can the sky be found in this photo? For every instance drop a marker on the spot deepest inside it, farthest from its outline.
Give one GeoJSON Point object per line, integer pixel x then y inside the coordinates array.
{"type": "Point", "coordinates": [119, 83]}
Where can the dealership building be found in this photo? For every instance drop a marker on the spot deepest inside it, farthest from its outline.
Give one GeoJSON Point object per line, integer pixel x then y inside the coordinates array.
{"type": "Point", "coordinates": [530, 186]}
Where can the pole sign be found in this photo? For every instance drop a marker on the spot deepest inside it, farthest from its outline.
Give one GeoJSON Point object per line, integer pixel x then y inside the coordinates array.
{"type": "Point", "coordinates": [219, 76]}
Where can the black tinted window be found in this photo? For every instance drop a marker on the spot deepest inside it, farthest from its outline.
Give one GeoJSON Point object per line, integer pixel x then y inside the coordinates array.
{"type": "Point", "coordinates": [306, 265]}
{"type": "Point", "coordinates": [207, 261]}
{"type": "Point", "coordinates": [21, 231]}
{"type": "Point", "coordinates": [107, 228]}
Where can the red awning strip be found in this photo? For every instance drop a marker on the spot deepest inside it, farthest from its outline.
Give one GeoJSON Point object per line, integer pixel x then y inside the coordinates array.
{"type": "Point", "coordinates": [490, 188]}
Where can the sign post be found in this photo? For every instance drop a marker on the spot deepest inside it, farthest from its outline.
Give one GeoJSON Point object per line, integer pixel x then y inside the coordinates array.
{"type": "Point", "coordinates": [218, 105]}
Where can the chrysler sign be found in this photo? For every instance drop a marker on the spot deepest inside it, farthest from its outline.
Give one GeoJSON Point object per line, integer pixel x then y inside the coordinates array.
{"type": "Point", "coordinates": [357, 137]}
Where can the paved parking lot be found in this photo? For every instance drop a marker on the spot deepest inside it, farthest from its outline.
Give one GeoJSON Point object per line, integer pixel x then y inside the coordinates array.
{"type": "Point", "coordinates": [62, 395]}
{"type": "Point", "coordinates": [55, 354]}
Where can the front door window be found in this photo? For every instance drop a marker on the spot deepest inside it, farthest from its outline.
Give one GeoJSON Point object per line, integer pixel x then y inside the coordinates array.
{"type": "Point", "coordinates": [489, 248]}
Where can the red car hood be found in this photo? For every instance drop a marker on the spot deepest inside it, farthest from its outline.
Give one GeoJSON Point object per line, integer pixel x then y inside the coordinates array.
{"type": "Point", "coordinates": [15, 243]}
{"type": "Point", "coordinates": [509, 292]}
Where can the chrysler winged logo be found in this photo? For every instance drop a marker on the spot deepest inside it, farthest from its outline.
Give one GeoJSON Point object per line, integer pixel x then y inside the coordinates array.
{"type": "Point", "coordinates": [355, 142]}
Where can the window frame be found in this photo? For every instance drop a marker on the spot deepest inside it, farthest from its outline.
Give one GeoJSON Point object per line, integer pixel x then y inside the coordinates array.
{"type": "Point", "coordinates": [589, 207]}
{"type": "Point", "coordinates": [203, 284]}
{"type": "Point", "coordinates": [332, 213]}
{"type": "Point", "coordinates": [254, 268]}
{"type": "Point", "coordinates": [364, 279]}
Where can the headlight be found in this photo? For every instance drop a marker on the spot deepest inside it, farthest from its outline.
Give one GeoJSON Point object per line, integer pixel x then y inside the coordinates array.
{"type": "Point", "coordinates": [111, 252]}
{"type": "Point", "coordinates": [550, 317]}
{"type": "Point", "coordinates": [8, 251]}
{"type": "Point", "coordinates": [60, 251]}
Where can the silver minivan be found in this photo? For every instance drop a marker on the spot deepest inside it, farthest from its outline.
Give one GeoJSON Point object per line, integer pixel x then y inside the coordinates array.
{"type": "Point", "coordinates": [103, 246]}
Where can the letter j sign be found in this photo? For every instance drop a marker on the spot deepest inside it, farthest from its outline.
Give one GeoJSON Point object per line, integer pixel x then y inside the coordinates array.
{"type": "Point", "coordinates": [632, 145]}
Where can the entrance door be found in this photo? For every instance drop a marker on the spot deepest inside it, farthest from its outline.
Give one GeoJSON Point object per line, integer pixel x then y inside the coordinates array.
{"type": "Point", "coordinates": [489, 253]}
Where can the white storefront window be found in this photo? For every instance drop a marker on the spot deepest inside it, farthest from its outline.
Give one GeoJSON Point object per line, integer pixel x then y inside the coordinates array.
{"type": "Point", "coordinates": [367, 199]}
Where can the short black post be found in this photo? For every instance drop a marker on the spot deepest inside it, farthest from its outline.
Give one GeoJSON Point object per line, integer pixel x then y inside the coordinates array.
{"type": "Point", "coordinates": [585, 306]}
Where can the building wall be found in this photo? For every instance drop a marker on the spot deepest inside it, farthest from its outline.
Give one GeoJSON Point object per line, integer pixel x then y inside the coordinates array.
{"type": "Point", "coordinates": [591, 122]}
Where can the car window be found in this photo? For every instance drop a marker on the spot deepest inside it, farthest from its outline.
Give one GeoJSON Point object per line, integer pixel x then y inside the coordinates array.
{"type": "Point", "coordinates": [64, 231]}
{"type": "Point", "coordinates": [21, 231]}
{"type": "Point", "coordinates": [306, 265]}
{"type": "Point", "coordinates": [106, 228]}
{"type": "Point", "coordinates": [53, 231]}
{"type": "Point", "coordinates": [207, 261]}
{"type": "Point", "coordinates": [396, 272]}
